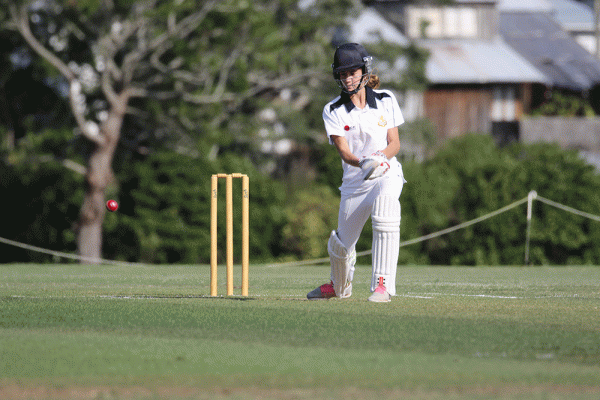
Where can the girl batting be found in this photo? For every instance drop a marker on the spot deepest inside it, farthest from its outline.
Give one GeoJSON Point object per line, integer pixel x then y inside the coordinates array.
{"type": "Point", "coordinates": [362, 123]}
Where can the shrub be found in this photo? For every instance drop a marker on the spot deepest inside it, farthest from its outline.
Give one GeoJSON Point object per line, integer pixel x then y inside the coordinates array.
{"type": "Point", "coordinates": [165, 211]}
{"type": "Point", "coordinates": [312, 215]}
{"type": "Point", "coordinates": [470, 178]}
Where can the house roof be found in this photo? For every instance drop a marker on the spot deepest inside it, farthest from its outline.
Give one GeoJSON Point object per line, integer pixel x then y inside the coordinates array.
{"type": "Point", "coordinates": [475, 61]}
{"type": "Point", "coordinates": [573, 15]}
{"type": "Point", "coordinates": [491, 2]}
{"type": "Point", "coordinates": [524, 5]}
{"type": "Point", "coordinates": [371, 27]}
{"type": "Point", "coordinates": [539, 39]}
{"type": "Point", "coordinates": [452, 61]}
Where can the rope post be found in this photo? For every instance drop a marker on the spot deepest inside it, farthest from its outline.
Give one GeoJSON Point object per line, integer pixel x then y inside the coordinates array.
{"type": "Point", "coordinates": [530, 197]}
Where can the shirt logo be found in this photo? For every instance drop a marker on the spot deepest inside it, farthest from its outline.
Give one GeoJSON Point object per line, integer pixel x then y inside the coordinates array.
{"type": "Point", "coordinates": [382, 122]}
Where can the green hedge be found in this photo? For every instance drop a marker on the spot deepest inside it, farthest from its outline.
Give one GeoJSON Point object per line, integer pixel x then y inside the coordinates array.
{"type": "Point", "coordinates": [165, 211]}
{"type": "Point", "coordinates": [40, 198]}
{"type": "Point", "coordinates": [164, 214]}
{"type": "Point", "coordinates": [470, 177]}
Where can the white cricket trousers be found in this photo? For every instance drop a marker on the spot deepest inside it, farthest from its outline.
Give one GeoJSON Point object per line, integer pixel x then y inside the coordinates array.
{"type": "Point", "coordinates": [355, 209]}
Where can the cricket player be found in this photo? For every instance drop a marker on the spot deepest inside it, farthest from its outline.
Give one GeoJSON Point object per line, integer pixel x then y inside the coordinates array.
{"type": "Point", "coordinates": [362, 123]}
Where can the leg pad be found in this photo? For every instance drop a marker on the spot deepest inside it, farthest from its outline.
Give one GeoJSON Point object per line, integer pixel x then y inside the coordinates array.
{"type": "Point", "coordinates": [342, 266]}
{"type": "Point", "coordinates": [386, 241]}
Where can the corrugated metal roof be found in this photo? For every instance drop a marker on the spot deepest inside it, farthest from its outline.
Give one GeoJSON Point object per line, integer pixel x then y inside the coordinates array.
{"type": "Point", "coordinates": [539, 39]}
{"type": "Point", "coordinates": [475, 61]}
{"type": "Point", "coordinates": [573, 15]}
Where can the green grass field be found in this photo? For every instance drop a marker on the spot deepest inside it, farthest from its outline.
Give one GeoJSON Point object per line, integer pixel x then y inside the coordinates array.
{"type": "Point", "coordinates": [152, 332]}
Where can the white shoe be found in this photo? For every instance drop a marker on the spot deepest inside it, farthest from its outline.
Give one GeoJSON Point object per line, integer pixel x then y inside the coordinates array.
{"type": "Point", "coordinates": [380, 295]}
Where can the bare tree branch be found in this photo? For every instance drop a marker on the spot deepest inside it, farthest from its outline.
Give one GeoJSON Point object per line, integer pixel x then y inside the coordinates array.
{"type": "Point", "coordinates": [134, 91]}
{"type": "Point", "coordinates": [193, 21]}
{"type": "Point", "coordinates": [208, 99]}
{"type": "Point", "coordinates": [69, 164]}
{"type": "Point", "coordinates": [228, 64]}
{"type": "Point", "coordinates": [21, 18]}
{"type": "Point", "coordinates": [107, 88]}
{"type": "Point", "coordinates": [160, 44]}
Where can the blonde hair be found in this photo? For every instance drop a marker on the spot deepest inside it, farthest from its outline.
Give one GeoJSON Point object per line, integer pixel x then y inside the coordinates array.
{"type": "Point", "coordinates": [373, 81]}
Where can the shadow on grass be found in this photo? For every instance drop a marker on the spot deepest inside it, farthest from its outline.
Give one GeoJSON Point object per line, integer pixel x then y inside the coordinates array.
{"type": "Point", "coordinates": [176, 296]}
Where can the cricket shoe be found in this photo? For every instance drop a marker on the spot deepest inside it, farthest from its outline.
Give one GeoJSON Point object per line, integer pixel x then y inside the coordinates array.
{"type": "Point", "coordinates": [322, 292]}
{"type": "Point", "coordinates": [380, 295]}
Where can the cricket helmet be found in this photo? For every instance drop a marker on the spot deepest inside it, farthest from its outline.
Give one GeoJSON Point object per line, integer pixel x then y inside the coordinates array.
{"type": "Point", "coordinates": [350, 56]}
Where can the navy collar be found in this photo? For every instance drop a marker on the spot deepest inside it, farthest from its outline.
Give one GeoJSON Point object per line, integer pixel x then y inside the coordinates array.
{"type": "Point", "coordinates": [345, 99]}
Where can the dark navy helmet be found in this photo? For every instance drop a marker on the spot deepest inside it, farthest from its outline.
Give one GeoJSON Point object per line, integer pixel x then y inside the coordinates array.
{"type": "Point", "coordinates": [351, 56]}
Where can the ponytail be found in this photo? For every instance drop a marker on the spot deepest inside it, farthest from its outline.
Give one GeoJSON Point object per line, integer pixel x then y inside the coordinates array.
{"type": "Point", "coordinates": [373, 81]}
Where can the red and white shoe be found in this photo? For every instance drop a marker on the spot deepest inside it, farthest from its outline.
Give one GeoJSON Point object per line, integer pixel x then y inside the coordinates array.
{"type": "Point", "coordinates": [322, 292]}
{"type": "Point", "coordinates": [380, 295]}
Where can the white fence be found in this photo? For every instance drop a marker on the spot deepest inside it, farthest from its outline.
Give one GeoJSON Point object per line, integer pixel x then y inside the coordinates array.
{"type": "Point", "coordinates": [570, 133]}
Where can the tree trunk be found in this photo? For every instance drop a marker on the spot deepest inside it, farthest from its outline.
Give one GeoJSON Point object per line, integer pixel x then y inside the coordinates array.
{"type": "Point", "coordinates": [99, 175]}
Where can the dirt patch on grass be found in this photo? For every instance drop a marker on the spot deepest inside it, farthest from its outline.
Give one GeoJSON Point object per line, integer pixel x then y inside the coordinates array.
{"type": "Point", "coordinates": [16, 392]}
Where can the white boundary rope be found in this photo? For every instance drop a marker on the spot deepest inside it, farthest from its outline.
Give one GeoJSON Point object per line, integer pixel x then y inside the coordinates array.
{"type": "Point", "coordinates": [465, 224]}
{"type": "Point", "coordinates": [568, 209]}
{"type": "Point", "coordinates": [422, 238]}
{"type": "Point", "coordinates": [529, 199]}
{"type": "Point", "coordinates": [65, 255]}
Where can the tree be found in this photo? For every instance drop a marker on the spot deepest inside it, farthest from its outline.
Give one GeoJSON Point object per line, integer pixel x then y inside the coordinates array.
{"type": "Point", "coordinates": [138, 62]}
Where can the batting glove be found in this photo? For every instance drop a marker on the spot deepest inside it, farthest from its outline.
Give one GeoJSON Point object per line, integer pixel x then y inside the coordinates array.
{"type": "Point", "coordinates": [374, 166]}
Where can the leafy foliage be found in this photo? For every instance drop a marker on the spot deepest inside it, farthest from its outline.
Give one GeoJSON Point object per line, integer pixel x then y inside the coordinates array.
{"type": "Point", "coordinates": [204, 97]}
{"type": "Point", "coordinates": [470, 178]}
{"type": "Point", "coordinates": [565, 105]}
{"type": "Point", "coordinates": [40, 199]}
{"type": "Point", "coordinates": [168, 74]}
{"type": "Point", "coordinates": [165, 211]}
{"type": "Point", "coordinates": [164, 206]}
{"type": "Point", "coordinates": [311, 215]}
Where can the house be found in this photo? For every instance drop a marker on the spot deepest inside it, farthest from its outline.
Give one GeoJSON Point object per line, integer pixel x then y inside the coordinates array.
{"type": "Point", "coordinates": [477, 86]}
{"type": "Point", "coordinates": [477, 83]}
{"type": "Point", "coordinates": [493, 61]}
{"type": "Point", "coordinates": [549, 35]}
{"type": "Point", "coordinates": [574, 17]}
{"type": "Point", "coordinates": [370, 27]}
{"type": "Point", "coordinates": [535, 34]}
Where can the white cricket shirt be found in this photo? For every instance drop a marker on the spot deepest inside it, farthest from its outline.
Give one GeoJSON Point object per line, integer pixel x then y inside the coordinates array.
{"type": "Point", "coordinates": [365, 130]}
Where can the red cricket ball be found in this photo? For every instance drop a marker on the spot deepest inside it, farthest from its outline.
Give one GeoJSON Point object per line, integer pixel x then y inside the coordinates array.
{"type": "Point", "coordinates": [112, 205]}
